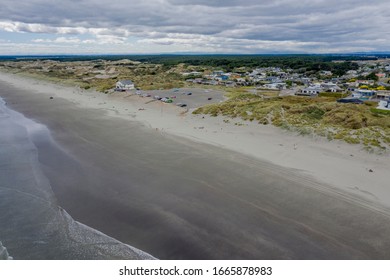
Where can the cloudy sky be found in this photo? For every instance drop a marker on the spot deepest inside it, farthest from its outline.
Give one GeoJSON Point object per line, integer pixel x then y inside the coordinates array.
{"type": "Point", "coordinates": [205, 26]}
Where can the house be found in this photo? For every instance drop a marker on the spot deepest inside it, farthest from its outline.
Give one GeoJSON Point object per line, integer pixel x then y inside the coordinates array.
{"type": "Point", "coordinates": [221, 78]}
{"type": "Point", "coordinates": [310, 91]}
{"type": "Point", "coordinates": [230, 84]}
{"type": "Point", "coordinates": [275, 86]}
{"type": "Point", "coordinates": [380, 75]}
{"type": "Point", "coordinates": [383, 94]}
{"type": "Point", "coordinates": [218, 73]}
{"type": "Point", "coordinates": [365, 82]}
{"type": "Point", "coordinates": [196, 80]}
{"type": "Point", "coordinates": [235, 76]}
{"type": "Point", "coordinates": [274, 79]}
{"type": "Point", "coordinates": [210, 82]}
{"type": "Point", "coordinates": [124, 85]}
{"type": "Point", "coordinates": [384, 105]}
{"type": "Point", "coordinates": [305, 80]}
{"type": "Point", "coordinates": [330, 87]}
{"type": "Point", "coordinates": [363, 93]}
{"type": "Point", "coordinates": [334, 89]}
{"type": "Point", "coordinates": [241, 82]}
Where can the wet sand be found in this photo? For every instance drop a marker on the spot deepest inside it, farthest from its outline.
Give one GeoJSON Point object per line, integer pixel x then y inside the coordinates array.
{"type": "Point", "coordinates": [177, 199]}
{"type": "Point", "coordinates": [32, 224]}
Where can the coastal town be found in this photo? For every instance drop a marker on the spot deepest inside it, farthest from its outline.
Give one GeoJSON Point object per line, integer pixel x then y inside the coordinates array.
{"type": "Point", "coordinates": [366, 80]}
{"type": "Point", "coordinates": [369, 82]}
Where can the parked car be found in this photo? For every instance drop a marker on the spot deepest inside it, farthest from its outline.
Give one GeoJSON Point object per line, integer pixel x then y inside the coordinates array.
{"type": "Point", "coordinates": [181, 105]}
{"type": "Point", "coordinates": [209, 98]}
{"type": "Point", "coordinates": [189, 93]}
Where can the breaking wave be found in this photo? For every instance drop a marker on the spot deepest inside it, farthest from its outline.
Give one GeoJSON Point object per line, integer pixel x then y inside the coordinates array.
{"type": "Point", "coordinates": [4, 253]}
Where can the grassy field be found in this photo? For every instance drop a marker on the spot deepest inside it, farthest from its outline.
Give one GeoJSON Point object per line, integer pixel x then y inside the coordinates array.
{"type": "Point", "coordinates": [357, 124]}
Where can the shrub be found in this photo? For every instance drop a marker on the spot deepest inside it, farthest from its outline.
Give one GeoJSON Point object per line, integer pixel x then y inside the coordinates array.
{"type": "Point", "coordinates": [314, 112]}
{"type": "Point", "coordinates": [380, 112]}
{"type": "Point", "coordinates": [331, 94]}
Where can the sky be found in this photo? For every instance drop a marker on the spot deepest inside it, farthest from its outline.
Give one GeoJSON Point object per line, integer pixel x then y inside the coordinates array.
{"type": "Point", "coordinates": [198, 26]}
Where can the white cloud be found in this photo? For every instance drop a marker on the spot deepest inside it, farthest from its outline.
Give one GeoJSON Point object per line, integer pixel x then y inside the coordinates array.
{"type": "Point", "coordinates": [60, 40]}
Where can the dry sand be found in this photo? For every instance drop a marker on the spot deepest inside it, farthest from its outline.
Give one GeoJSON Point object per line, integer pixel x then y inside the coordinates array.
{"type": "Point", "coordinates": [340, 165]}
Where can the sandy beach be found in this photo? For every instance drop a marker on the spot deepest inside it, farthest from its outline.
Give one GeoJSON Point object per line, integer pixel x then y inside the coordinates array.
{"type": "Point", "coordinates": [184, 186]}
{"type": "Point", "coordinates": [336, 163]}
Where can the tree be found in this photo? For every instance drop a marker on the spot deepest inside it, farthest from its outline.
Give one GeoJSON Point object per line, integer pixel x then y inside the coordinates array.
{"type": "Point", "coordinates": [372, 76]}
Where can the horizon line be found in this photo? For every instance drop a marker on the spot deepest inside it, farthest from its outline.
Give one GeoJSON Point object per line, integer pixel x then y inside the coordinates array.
{"type": "Point", "coordinates": [195, 53]}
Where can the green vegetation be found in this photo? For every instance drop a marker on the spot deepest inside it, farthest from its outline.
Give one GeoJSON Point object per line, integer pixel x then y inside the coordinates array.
{"type": "Point", "coordinates": [237, 63]}
{"type": "Point", "coordinates": [370, 76]}
{"type": "Point", "coordinates": [240, 63]}
{"type": "Point", "coordinates": [332, 94]}
{"type": "Point", "coordinates": [316, 116]}
{"type": "Point", "coordinates": [379, 112]}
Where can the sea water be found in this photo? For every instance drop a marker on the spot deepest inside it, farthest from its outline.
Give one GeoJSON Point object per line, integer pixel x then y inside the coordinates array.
{"type": "Point", "coordinates": [32, 224]}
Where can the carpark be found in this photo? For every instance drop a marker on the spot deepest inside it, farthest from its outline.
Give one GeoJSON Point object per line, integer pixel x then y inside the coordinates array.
{"type": "Point", "coordinates": [185, 97]}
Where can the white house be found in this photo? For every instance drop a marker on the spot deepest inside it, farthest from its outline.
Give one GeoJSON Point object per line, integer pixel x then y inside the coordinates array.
{"type": "Point", "coordinates": [383, 94]}
{"type": "Point", "coordinates": [309, 91]}
{"type": "Point", "coordinates": [384, 105]}
{"type": "Point", "coordinates": [330, 87]}
{"type": "Point", "coordinates": [124, 85]}
{"type": "Point", "coordinates": [334, 89]}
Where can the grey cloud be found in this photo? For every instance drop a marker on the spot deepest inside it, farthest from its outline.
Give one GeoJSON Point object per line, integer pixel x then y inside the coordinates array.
{"type": "Point", "coordinates": [327, 24]}
{"type": "Point", "coordinates": [220, 3]}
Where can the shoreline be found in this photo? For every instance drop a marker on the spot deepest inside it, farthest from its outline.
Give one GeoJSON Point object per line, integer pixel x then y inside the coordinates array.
{"type": "Point", "coordinates": [343, 166]}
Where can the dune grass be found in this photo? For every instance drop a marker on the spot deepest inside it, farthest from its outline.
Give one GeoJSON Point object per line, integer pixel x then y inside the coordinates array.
{"type": "Point", "coordinates": [323, 116]}
{"type": "Point", "coordinates": [101, 76]}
